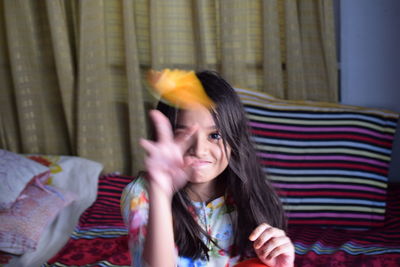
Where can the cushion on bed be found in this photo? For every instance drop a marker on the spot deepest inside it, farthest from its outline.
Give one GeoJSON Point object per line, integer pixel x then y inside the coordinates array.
{"type": "Point", "coordinates": [73, 174]}
{"type": "Point", "coordinates": [15, 173]}
{"type": "Point", "coordinates": [64, 169]}
{"type": "Point", "coordinates": [22, 225]}
{"type": "Point", "coordinates": [329, 162]}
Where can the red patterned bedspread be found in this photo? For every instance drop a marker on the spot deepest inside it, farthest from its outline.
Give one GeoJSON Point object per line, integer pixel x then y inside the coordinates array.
{"type": "Point", "coordinates": [333, 247]}
{"type": "Point", "coordinates": [100, 238]}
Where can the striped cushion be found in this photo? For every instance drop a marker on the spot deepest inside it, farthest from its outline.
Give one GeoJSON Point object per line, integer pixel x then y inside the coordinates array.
{"type": "Point", "coordinates": [329, 162]}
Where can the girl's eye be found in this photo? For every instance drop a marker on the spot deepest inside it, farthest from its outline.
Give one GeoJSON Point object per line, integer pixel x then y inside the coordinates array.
{"type": "Point", "coordinates": [215, 136]}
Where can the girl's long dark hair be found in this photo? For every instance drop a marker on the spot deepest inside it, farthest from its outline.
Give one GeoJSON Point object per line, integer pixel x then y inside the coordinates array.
{"type": "Point", "coordinates": [254, 197]}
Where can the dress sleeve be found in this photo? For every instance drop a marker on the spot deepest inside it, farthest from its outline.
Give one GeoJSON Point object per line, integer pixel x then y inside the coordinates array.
{"type": "Point", "coordinates": [135, 210]}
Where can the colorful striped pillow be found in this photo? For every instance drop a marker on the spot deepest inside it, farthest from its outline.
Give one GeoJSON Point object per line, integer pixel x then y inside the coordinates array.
{"type": "Point", "coordinates": [329, 162]}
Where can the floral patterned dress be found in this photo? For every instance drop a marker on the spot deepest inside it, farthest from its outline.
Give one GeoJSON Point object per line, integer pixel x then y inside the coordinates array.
{"type": "Point", "coordinates": [215, 217]}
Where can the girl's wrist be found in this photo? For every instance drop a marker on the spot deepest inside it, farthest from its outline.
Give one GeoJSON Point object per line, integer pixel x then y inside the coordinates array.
{"type": "Point", "coordinates": [156, 191]}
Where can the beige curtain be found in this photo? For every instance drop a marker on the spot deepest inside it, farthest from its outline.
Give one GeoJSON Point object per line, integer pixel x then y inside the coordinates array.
{"type": "Point", "coordinates": [72, 72]}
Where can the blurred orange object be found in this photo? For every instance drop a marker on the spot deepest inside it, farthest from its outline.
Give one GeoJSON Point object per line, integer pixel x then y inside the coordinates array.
{"type": "Point", "coordinates": [179, 88]}
{"type": "Point", "coordinates": [253, 262]}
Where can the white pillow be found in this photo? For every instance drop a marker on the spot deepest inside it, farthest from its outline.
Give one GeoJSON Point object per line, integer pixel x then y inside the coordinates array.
{"type": "Point", "coordinates": [16, 172]}
{"type": "Point", "coordinates": [73, 174]}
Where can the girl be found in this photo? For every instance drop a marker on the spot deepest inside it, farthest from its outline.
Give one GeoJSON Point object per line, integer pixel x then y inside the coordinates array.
{"type": "Point", "coordinates": [204, 200]}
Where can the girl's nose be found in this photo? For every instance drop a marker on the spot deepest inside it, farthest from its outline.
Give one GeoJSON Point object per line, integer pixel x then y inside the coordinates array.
{"type": "Point", "coordinates": [199, 146]}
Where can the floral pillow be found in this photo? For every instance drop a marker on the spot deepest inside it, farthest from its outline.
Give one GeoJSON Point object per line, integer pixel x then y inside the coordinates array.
{"type": "Point", "coordinates": [16, 172]}
{"type": "Point", "coordinates": [23, 224]}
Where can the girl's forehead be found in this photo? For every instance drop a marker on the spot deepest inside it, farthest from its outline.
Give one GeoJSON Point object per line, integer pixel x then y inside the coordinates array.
{"type": "Point", "coordinates": [199, 115]}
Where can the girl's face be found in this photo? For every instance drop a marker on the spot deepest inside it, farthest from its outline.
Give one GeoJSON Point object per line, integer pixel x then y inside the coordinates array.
{"type": "Point", "coordinates": [206, 152]}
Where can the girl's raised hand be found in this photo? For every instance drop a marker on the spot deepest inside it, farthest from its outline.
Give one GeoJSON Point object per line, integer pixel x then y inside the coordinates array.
{"type": "Point", "coordinates": [272, 246]}
{"type": "Point", "coordinates": [164, 161]}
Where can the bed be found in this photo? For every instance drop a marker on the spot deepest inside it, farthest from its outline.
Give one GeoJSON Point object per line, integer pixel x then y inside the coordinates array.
{"type": "Point", "coordinates": [313, 152]}
{"type": "Point", "coordinates": [100, 238]}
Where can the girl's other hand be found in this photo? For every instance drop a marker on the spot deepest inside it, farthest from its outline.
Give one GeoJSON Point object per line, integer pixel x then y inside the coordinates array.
{"type": "Point", "coordinates": [272, 246]}
{"type": "Point", "coordinates": [164, 161]}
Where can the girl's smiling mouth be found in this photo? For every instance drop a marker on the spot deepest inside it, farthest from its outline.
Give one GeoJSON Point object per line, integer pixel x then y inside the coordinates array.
{"type": "Point", "coordinates": [198, 163]}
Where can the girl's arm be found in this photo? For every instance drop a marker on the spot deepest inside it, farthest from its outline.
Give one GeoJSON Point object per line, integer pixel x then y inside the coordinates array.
{"type": "Point", "coordinates": [159, 248]}
{"type": "Point", "coordinates": [146, 210]}
{"type": "Point", "coordinates": [167, 173]}
{"type": "Point", "coordinates": [272, 246]}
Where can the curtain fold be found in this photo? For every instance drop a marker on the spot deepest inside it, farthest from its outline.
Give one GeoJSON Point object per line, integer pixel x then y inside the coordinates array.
{"type": "Point", "coordinates": [327, 30]}
{"type": "Point", "coordinates": [9, 127]}
{"type": "Point", "coordinates": [35, 86]}
{"type": "Point", "coordinates": [64, 65]}
{"type": "Point", "coordinates": [206, 43]}
{"type": "Point", "coordinates": [310, 50]}
{"type": "Point", "coordinates": [294, 59]}
{"type": "Point", "coordinates": [73, 72]}
{"type": "Point", "coordinates": [272, 52]}
{"type": "Point", "coordinates": [136, 107]}
{"type": "Point", "coordinates": [234, 41]}
{"type": "Point", "coordinates": [92, 95]}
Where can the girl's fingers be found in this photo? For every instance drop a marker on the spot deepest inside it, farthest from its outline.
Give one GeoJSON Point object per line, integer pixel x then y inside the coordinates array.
{"type": "Point", "coordinates": [274, 244]}
{"type": "Point", "coordinates": [147, 145]}
{"type": "Point", "coordinates": [286, 248]}
{"type": "Point", "coordinates": [183, 140]}
{"type": "Point", "coordinates": [165, 133]}
{"type": "Point", "coordinates": [258, 231]}
{"type": "Point", "coordinates": [162, 155]}
{"type": "Point", "coordinates": [268, 234]}
{"type": "Point", "coordinates": [162, 126]}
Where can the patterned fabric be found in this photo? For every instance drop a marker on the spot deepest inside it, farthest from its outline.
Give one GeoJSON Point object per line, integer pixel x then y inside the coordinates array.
{"type": "Point", "coordinates": [22, 226]}
{"type": "Point", "coordinates": [71, 174]}
{"type": "Point", "coordinates": [214, 217]}
{"type": "Point", "coordinates": [16, 172]}
{"type": "Point", "coordinates": [333, 247]}
{"type": "Point", "coordinates": [100, 239]}
{"type": "Point", "coordinates": [329, 162]}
